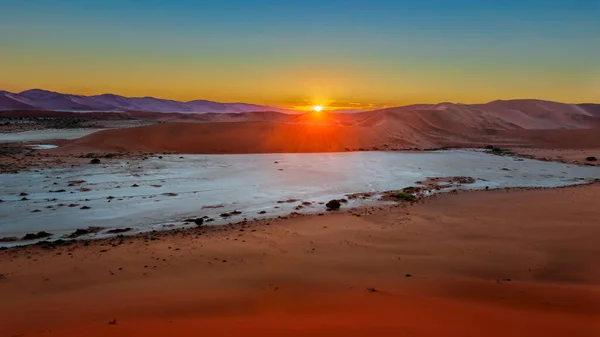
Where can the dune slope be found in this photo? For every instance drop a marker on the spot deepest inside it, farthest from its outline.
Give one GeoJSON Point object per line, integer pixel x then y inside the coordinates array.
{"type": "Point", "coordinates": [437, 126]}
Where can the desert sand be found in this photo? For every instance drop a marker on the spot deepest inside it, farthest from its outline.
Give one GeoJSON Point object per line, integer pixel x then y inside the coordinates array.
{"type": "Point", "coordinates": [573, 156]}
{"type": "Point", "coordinates": [514, 123]}
{"type": "Point", "coordinates": [487, 263]}
{"type": "Point", "coordinates": [519, 123]}
{"type": "Point", "coordinates": [270, 137]}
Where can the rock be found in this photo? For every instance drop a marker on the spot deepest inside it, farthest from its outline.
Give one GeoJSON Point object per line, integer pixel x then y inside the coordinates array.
{"type": "Point", "coordinates": [36, 211]}
{"type": "Point", "coordinates": [38, 235]}
{"type": "Point", "coordinates": [591, 159]}
{"type": "Point", "coordinates": [22, 194]}
{"type": "Point", "coordinates": [465, 180]}
{"type": "Point", "coordinates": [24, 199]}
{"type": "Point", "coordinates": [135, 185]}
{"type": "Point", "coordinates": [9, 239]}
{"type": "Point", "coordinates": [85, 207]}
{"type": "Point", "coordinates": [119, 230]}
{"type": "Point", "coordinates": [80, 231]}
{"type": "Point", "coordinates": [95, 161]}
{"type": "Point", "coordinates": [197, 221]}
{"type": "Point", "coordinates": [333, 205]}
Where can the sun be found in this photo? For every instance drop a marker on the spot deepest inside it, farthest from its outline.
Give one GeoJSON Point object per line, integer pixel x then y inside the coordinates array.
{"type": "Point", "coordinates": [317, 108]}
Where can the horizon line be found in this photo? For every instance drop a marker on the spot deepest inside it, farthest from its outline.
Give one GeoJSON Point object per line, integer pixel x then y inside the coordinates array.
{"type": "Point", "coordinates": [326, 108]}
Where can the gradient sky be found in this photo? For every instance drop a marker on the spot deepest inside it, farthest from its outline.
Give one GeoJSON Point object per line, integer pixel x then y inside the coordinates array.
{"type": "Point", "coordinates": [292, 53]}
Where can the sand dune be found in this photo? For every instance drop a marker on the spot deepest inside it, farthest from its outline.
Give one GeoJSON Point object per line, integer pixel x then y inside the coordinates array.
{"type": "Point", "coordinates": [514, 123]}
{"type": "Point", "coordinates": [557, 139]}
{"type": "Point", "coordinates": [536, 114]}
{"type": "Point", "coordinates": [384, 131]}
{"type": "Point", "coordinates": [243, 137]}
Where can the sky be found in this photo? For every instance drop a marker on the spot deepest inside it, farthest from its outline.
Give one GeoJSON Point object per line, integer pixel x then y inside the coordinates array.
{"type": "Point", "coordinates": [298, 53]}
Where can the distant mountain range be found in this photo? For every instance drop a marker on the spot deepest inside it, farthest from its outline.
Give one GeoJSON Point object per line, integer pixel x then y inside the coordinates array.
{"type": "Point", "coordinates": [520, 113]}
{"type": "Point", "coordinates": [38, 99]}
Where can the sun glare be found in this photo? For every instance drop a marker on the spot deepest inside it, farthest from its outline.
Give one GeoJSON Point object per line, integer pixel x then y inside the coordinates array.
{"type": "Point", "coordinates": [317, 108]}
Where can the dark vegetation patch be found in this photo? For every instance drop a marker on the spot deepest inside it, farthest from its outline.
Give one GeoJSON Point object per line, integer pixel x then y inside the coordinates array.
{"type": "Point", "coordinates": [119, 230]}
{"type": "Point", "coordinates": [38, 235]}
{"type": "Point", "coordinates": [55, 243]}
{"type": "Point", "coordinates": [404, 196]}
{"type": "Point", "coordinates": [84, 231]}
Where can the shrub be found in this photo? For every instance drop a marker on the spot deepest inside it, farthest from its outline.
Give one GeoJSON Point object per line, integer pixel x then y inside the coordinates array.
{"type": "Point", "coordinates": [591, 159]}
{"type": "Point", "coordinates": [39, 235]}
{"type": "Point", "coordinates": [95, 161]}
{"type": "Point", "coordinates": [55, 243]}
{"type": "Point", "coordinates": [405, 196]}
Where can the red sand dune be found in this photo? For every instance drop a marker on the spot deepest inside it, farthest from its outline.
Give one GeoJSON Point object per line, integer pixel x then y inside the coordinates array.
{"type": "Point", "coordinates": [529, 123]}
{"type": "Point", "coordinates": [244, 137]}
{"type": "Point", "coordinates": [557, 139]}
{"type": "Point", "coordinates": [513, 123]}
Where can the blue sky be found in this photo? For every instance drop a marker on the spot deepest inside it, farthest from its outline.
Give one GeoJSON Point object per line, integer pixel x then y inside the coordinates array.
{"type": "Point", "coordinates": [340, 50]}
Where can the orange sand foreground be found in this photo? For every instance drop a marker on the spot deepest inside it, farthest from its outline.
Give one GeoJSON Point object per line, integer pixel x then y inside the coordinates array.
{"type": "Point", "coordinates": [495, 263]}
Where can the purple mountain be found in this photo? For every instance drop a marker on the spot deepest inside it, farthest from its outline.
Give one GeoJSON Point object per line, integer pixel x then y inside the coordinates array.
{"type": "Point", "coordinates": [38, 99]}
